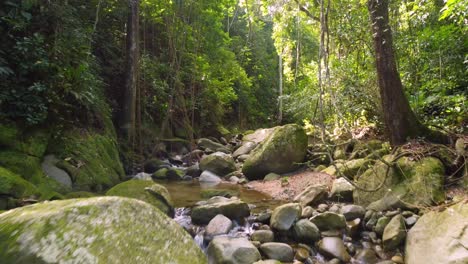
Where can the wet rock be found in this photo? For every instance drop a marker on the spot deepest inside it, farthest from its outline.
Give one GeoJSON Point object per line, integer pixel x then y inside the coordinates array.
{"type": "Point", "coordinates": [331, 233]}
{"type": "Point", "coordinates": [352, 212]}
{"type": "Point", "coordinates": [307, 212]}
{"type": "Point", "coordinates": [271, 177]}
{"type": "Point", "coordinates": [311, 195]}
{"type": "Point", "coordinates": [94, 230]}
{"type": "Point", "coordinates": [322, 208]}
{"type": "Point", "coordinates": [264, 217]}
{"type": "Point", "coordinates": [219, 163]}
{"type": "Point", "coordinates": [263, 236]}
{"type": "Point", "coordinates": [169, 174]}
{"type": "Point", "coordinates": [152, 165]}
{"type": "Point", "coordinates": [205, 143]}
{"type": "Point", "coordinates": [302, 254]}
{"type": "Point", "coordinates": [394, 233]}
{"type": "Point", "coordinates": [373, 237]}
{"type": "Point", "coordinates": [209, 177]}
{"type": "Point", "coordinates": [334, 261]}
{"type": "Point", "coordinates": [143, 176]}
{"type": "Point", "coordinates": [410, 221]}
{"type": "Point", "coordinates": [243, 158]}
{"type": "Point", "coordinates": [234, 179]}
{"type": "Point", "coordinates": [335, 209]}
{"type": "Point", "coordinates": [366, 256]}
{"type": "Point", "coordinates": [305, 231]}
{"type": "Point", "coordinates": [244, 149]}
{"type": "Point", "coordinates": [284, 216]}
{"type": "Point", "coordinates": [342, 190]}
{"type": "Point", "coordinates": [279, 251]}
{"type": "Point", "coordinates": [232, 250]}
{"type": "Point", "coordinates": [278, 153]}
{"type": "Point", "coordinates": [232, 208]}
{"type": "Point", "coordinates": [334, 247]}
{"type": "Point", "coordinates": [219, 225]}
{"type": "Point", "coordinates": [353, 226]}
{"type": "Point", "coordinates": [329, 221]}
{"type": "Point", "coordinates": [439, 237]}
{"type": "Point", "coordinates": [193, 171]}
{"type": "Point", "coordinates": [382, 222]}
{"type": "Point", "coordinates": [398, 259]}
{"type": "Point", "coordinates": [370, 224]}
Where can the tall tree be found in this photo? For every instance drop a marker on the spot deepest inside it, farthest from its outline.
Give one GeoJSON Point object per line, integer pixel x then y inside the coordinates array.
{"type": "Point", "coordinates": [128, 121]}
{"type": "Point", "coordinates": [400, 121]}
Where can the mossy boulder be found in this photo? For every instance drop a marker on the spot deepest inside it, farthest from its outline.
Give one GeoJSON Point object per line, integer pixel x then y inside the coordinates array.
{"type": "Point", "coordinates": [408, 183]}
{"type": "Point", "coordinates": [81, 194]}
{"type": "Point", "coordinates": [94, 230]}
{"type": "Point", "coordinates": [13, 187]}
{"type": "Point", "coordinates": [439, 237]}
{"type": "Point", "coordinates": [278, 153]}
{"type": "Point", "coordinates": [219, 163]}
{"type": "Point", "coordinates": [91, 159]}
{"type": "Point", "coordinates": [232, 208]}
{"type": "Point", "coordinates": [205, 143]}
{"type": "Point", "coordinates": [152, 165]}
{"type": "Point", "coordinates": [148, 191]}
{"type": "Point", "coordinates": [172, 174]}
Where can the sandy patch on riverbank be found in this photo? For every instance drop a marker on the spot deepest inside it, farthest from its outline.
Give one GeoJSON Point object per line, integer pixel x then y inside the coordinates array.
{"type": "Point", "coordinates": [297, 182]}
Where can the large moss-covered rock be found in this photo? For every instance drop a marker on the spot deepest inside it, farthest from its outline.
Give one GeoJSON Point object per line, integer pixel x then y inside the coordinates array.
{"type": "Point", "coordinates": [148, 191]}
{"type": "Point", "coordinates": [408, 183]}
{"type": "Point", "coordinates": [278, 153]}
{"type": "Point", "coordinates": [91, 159]}
{"type": "Point", "coordinates": [205, 143]}
{"type": "Point", "coordinates": [439, 237]}
{"type": "Point", "coordinates": [29, 141]}
{"type": "Point", "coordinates": [94, 230]}
{"type": "Point", "coordinates": [219, 163]}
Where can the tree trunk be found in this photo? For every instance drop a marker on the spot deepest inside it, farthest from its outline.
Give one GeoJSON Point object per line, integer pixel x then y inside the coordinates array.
{"type": "Point", "coordinates": [400, 121]}
{"type": "Point", "coordinates": [128, 121]}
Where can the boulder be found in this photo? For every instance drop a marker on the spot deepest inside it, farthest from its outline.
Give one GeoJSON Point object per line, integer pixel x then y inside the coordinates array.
{"type": "Point", "coordinates": [382, 222]}
{"type": "Point", "coordinates": [152, 165]}
{"type": "Point", "coordinates": [13, 186]}
{"type": "Point", "coordinates": [305, 231]}
{"type": "Point", "coordinates": [311, 195]}
{"type": "Point", "coordinates": [51, 170]}
{"type": "Point", "coordinates": [334, 247]}
{"type": "Point", "coordinates": [232, 208]}
{"type": "Point", "coordinates": [342, 190]}
{"type": "Point", "coordinates": [219, 225]}
{"type": "Point", "coordinates": [172, 174]}
{"type": "Point", "coordinates": [278, 251]}
{"type": "Point", "coordinates": [355, 167]}
{"type": "Point", "coordinates": [394, 233]}
{"type": "Point", "coordinates": [407, 184]}
{"type": "Point", "coordinates": [147, 191]}
{"type": "Point", "coordinates": [143, 176]}
{"type": "Point", "coordinates": [218, 163]}
{"type": "Point", "coordinates": [205, 143]}
{"type": "Point", "coordinates": [94, 230]}
{"type": "Point", "coordinates": [329, 221]}
{"type": "Point", "coordinates": [366, 256]}
{"type": "Point", "coordinates": [244, 149]}
{"type": "Point", "coordinates": [209, 177]}
{"type": "Point", "coordinates": [351, 211]}
{"type": "Point", "coordinates": [439, 237]}
{"type": "Point", "coordinates": [263, 236]}
{"type": "Point", "coordinates": [208, 193]}
{"type": "Point", "coordinates": [278, 153]}
{"type": "Point", "coordinates": [284, 216]}
{"type": "Point", "coordinates": [231, 250]}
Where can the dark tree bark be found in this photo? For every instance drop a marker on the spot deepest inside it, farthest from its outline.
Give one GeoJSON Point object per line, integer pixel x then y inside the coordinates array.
{"type": "Point", "coordinates": [400, 121]}
{"type": "Point", "coordinates": [128, 120]}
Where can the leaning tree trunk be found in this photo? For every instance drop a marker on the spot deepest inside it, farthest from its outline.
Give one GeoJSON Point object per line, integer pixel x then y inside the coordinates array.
{"type": "Point", "coordinates": [129, 101]}
{"type": "Point", "coordinates": [400, 121]}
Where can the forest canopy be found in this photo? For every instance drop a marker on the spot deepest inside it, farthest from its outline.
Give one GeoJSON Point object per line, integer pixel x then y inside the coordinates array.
{"type": "Point", "coordinates": [205, 67]}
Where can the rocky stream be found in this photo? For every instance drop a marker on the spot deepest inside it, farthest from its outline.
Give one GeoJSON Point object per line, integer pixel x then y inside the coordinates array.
{"type": "Point", "coordinates": [221, 194]}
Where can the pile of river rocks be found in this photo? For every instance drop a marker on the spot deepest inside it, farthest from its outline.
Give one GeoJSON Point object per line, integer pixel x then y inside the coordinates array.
{"type": "Point", "coordinates": [329, 233]}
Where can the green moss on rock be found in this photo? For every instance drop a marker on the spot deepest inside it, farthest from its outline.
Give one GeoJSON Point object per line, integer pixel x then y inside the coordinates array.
{"type": "Point", "coordinates": [147, 191]}
{"type": "Point", "coordinates": [408, 184]}
{"type": "Point", "coordinates": [278, 153]}
{"type": "Point", "coordinates": [13, 185]}
{"type": "Point", "coordinates": [31, 142]}
{"type": "Point", "coordinates": [91, 159]}
{"type": "Point", "coordinates": [94, 230]}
